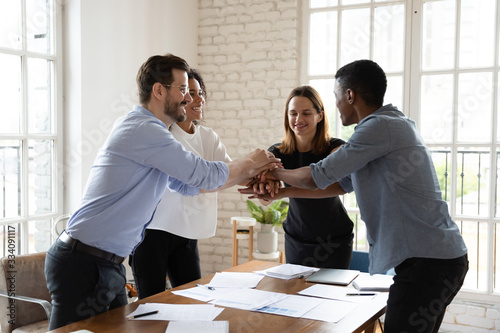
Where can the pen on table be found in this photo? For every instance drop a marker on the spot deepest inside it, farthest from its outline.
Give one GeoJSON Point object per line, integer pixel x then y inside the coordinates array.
{"type": "Point", "coordinates": [144, 314]}
{"type": "Point", "coordinates": [360, 294]}
{"type": "Point", "coordinates": [205, 286]}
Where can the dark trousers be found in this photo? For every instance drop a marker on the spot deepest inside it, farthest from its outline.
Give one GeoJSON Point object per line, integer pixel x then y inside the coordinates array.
{"type": "Point", "coordinates": [422, 290]}
{"type": "Point", "coordinates": [324, 254]}
{"type": "Point", "coordinates": [81, 285]}
{"type": "Point", "coordinates": [160, 254]}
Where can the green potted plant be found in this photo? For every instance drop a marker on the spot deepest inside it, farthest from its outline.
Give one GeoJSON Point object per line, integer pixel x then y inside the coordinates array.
{"type": "Point", "coordinates": [274, 215]}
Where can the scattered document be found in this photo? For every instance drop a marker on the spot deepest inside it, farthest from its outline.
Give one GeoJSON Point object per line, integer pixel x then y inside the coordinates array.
{"type": "Point", "coordinates": [201, 293]}
{"type": "Point", "coordinates": [330, 310]}
{"type": "Point", "coordinates": [248, 299]}
{"type": "Point", "coordinates": [240, 298]}
{"type": "Point", "coordinates": [338, 293]}
{"type": "Point", "coordinates": [231, 289]}
{"type": "Point", "coordinates": [184, 312]}
{"type": "Point", "coordinates": [292, 306]}
{"type": "Point", "coordinates": [288, 271]}
{"type": "Point", "coordinates": [376, 282]}
{"type": "Point", "coordinates": [221, 326]}
{"type": "Point", "coordinates": [235, 280]}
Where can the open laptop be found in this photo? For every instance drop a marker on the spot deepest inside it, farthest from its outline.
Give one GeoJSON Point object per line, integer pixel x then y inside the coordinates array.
{"type": "Point", "coordinates": [333, 276]}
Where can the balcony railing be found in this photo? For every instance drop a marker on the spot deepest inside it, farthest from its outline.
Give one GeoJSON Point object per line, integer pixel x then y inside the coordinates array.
{"type": "Point", "coordinates": [18, 232]}
{"type": "Point", "coordinates": [471, 208]}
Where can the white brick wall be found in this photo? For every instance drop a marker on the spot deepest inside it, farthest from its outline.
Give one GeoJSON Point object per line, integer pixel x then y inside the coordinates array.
{"type": "Point", "coordinates": [248, 59]}
{"type": "Point", "coordinates": [248, 56]}
{"type": "Point", "coordinates": [470, 317]}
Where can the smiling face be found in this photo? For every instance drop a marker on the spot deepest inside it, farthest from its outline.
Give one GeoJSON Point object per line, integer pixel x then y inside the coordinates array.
{"type": "Point", "coordinates": [303, 117]}
{"type": "Point", "coordinates": [194, 110]}
{"type": "Point", "coordinates": [175, 101]}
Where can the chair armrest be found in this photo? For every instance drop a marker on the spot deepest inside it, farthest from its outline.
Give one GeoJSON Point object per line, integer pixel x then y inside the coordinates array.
{"type": "Point", "coordinates": [46, 305]}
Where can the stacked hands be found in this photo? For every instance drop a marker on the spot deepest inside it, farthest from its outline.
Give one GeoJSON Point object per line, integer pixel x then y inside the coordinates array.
{"type": "Point", "coordinates": [264, 185]}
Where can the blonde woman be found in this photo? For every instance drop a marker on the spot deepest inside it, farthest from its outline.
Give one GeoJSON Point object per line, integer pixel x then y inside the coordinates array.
{"type": "Point", "coordinates": [318, 231]}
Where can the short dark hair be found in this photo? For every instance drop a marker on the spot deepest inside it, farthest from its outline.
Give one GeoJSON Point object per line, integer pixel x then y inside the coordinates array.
{"type": "Point", "coordinates": [157, 68]}
{"type": "Point", "coordinates": [194, 74]}
{"type": "Point", "coordinates": [366, 78]}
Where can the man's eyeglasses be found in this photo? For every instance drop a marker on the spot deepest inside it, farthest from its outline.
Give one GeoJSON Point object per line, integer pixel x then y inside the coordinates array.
{"type": "Point", "coordinates": [184, 89]}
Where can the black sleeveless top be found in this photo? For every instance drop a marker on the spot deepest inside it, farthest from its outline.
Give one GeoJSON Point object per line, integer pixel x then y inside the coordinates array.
{"type": "Point", "coordinates": [313, 221]}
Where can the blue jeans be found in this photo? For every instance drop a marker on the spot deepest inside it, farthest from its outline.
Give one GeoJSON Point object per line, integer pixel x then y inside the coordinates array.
{"type": "Point", "coordinates": [81, 285]}
{"type": "Point", "coordinates": [422, 290]}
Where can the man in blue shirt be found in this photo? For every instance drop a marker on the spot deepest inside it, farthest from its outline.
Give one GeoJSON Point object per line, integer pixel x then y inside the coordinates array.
{"type": "Point", "coordinates": [408, 225]}
{"type": "Point", "coordinates": [139, 159]}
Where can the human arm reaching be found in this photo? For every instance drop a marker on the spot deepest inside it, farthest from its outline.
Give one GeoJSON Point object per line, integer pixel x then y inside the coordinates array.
{"type": "Point", "coordinates": [294, 192]}
{"type": "Point", "coordinates": [300, 177]}
{"type": "Point", "coordinates": [241, 171]}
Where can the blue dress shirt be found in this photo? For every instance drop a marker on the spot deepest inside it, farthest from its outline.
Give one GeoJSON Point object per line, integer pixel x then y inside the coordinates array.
{"type": "Point", "coordinates": [139, 159]}
{"type": "Point", "coordinates": [390, 169]}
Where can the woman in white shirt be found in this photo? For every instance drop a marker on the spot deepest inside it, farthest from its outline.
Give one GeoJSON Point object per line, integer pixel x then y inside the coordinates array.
{"type": "Point", "coordinates": [170, 245]}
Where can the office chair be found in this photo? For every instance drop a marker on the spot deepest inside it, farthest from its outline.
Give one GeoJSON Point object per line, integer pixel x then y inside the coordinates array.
{"type": "Point", "coordinates": [360, 261]}
{"type": "Point", "coordinates": [59, 225]}
{"type": "Point", "coordinates": [29, 310]}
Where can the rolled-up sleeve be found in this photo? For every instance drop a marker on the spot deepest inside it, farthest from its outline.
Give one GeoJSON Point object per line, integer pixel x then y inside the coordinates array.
{"type": "Point", "coordinates": [181, 188]}
{"type": "Point", "coordinates": [346, 184]}
{"type": "Point", "coordinates": [319, 175]}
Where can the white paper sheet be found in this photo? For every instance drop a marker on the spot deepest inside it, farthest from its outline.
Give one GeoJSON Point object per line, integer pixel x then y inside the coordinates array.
{"type": "Point", "coordinates": [330, 310]}
{"type": "Point", "coordinates": [292, 306]}
{"type": "Point", "coordinates": [201, 293]}
{"type": "Point", "coordinates": [288, 271]}
{"type": "Point", "coordinates": [185, 312]}
{"type": "Point", "coordinates": [376, 282]}
{"type": "Point", "coordinates": [248, 299]}
{"type": "Point", "coordinates": [221, 326]}
{"type": "Point", "coordinates": [336, 292]}
{"type": "Point", "coordinates": [235, 280]}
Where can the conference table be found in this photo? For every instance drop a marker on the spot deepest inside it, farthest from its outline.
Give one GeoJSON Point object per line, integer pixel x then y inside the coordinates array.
{"type": "Point", "coordinates": [363, 318]}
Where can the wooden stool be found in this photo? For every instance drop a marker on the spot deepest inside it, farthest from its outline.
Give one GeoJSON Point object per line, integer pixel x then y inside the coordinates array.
{"type": "Point", "coordinates": [242, 229]}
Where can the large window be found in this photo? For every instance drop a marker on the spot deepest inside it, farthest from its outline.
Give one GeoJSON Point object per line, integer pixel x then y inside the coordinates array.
{"type": "Point", "coordinates": [442, 61]}
{"type": "Point", "coordinates": [29, 147]}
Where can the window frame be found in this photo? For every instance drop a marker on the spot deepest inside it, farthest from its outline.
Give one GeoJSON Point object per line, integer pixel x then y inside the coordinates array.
{"type": "Point", "coordinates": [22, 222]}
{"type": "Point", "coordinates": [412, 74]}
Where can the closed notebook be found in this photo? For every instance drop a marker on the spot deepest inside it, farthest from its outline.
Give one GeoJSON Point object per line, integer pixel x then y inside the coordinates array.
{"type": "Point", "coordinates": [333, 276]}
{"type": "Point", "coordinates": [377, 282]}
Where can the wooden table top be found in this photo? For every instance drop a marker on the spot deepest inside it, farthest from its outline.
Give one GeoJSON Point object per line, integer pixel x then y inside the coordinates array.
{"type": "Point", "coordinates": [239, 320]}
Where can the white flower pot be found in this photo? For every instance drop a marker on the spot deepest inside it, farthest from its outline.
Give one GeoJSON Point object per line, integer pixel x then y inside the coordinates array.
{"type": "Point", "coordinates": [267, 239]}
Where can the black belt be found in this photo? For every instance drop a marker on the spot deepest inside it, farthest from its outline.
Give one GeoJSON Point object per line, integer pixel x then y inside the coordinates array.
{"type": "Point", "coordinates": [93, 251]}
